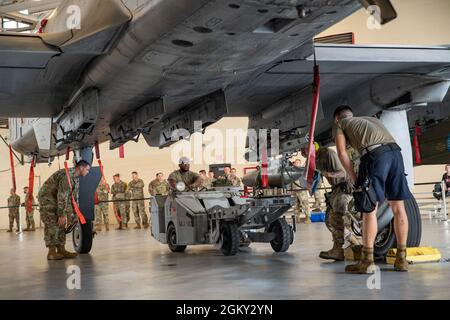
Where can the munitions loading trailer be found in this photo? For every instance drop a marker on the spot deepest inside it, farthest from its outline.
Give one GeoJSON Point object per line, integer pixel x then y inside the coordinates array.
{"type": "Point", "coordinates": [223, 218]}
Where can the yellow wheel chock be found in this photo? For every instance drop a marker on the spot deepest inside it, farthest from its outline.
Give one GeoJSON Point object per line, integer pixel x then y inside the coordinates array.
{"type": "Point", "coordinates": [416, 255]}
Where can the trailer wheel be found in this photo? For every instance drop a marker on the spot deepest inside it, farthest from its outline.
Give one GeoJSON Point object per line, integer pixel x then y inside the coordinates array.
{"type": "Point", "coordinates": [292, 233]}
{"type": "Point", "coordinates": [82, 237]}
{"type": "Point", "coordinates": [386, 240]}
{"type": "Point", "coordinates": [172, 240]}
{"type": "Point", "coordinates": [230, 238]}
{"type": "Point", "coordinates": [282, 232]}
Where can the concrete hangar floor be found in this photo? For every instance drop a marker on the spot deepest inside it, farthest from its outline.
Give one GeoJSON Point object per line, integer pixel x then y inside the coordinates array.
{"type": "Point", "coordinates": [132, 265]}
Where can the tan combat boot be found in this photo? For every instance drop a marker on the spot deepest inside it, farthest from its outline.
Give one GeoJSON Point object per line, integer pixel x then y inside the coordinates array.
{"type": "Point", "coordinates": [107, 227]}
{"type": "Point", "coordinates": [146, 225]}
{"type": "Point", "coordinates": [138, 226]}
{"type": "Point", "coordinates": [10, 228]}
{"type": "Point", "coordinates": [401, 264]}
{"type": "Point", "coordinates": [307, 219]}
{"type": "Point", "coordinates": [363, 266]}
{"type": "Point", "coordinates": [353, 240]}
{"type": "Point", "coordinates": [336, 253]}
{"type": "Point", "coordinates": [357, 252]}
{"type": "Point", "coordinates": [120, 226]}
{"type": "Point", "coordinates": [98, 228]}
{"type": "Point", "coordinates": [53, 254]}
{"type": "Point", "coordinates": [66, 254]}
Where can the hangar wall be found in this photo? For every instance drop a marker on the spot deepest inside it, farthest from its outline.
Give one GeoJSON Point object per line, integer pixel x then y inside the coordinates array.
{"type": "Point", "coordinates": [415, 25]}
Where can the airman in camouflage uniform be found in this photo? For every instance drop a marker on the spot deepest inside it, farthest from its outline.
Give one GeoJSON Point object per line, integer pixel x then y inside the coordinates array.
{"type": "Point", "coordinates": [234, 178]}
{"type": "Point", "coordinates": [356, 243]}
{"type": "Point", "coordinates": [206, 181]}
{"type": "Point", "coordinates": [56, 209]}
{"type": "Point", "coordinates": [13, 203]}
{"type": "Point", "coordinates": [328, 163]}
{"type": "Point", "coordinates": [102, 209]}
{"type": "Point", "coordinates": [118, 191]}
{"type": "Point", "coordinates": [229, 178]}
{"type": "Point", "coordinates": [30, 213]}
{"type": "Point", "coordinates": [159, 186]}
{"type": "Point", "coordinates": [136, 189]}
{"type": "Point", "coordinates": [191, 179]}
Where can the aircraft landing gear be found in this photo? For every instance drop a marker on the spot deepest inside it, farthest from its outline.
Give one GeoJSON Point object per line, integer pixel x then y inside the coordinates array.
{"type": "Point", "coordinates": [83, 236]}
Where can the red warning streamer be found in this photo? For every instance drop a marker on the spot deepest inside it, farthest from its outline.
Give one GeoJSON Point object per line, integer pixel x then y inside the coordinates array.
{"type": "Point", "coordinates": [264, 166]}
{"type": "Point", "coordinates": [122, 152]}
{"type": "Point", "coordinates": [97, 151]}
{"type": "Point", "coordinates": [100, 165]}
{"type": "Point", "coordinates": [13, 170]}
{"type": "Point", "coordinates": [311, 165]}
{"type": "Point", "coordinates": [417, 145]}
{"type": "Point", "coordinates": [29, 200]}
{"type": "Point", "coordinates": [74, 203]}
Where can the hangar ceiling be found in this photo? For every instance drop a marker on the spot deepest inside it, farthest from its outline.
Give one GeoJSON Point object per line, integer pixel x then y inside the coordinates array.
{"type": "Point", "coordinates": [23, 15]}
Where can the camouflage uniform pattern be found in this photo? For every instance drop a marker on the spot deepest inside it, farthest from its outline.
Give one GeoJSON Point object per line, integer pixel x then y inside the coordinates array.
{"type": "Point", "coordinates": [30, 215]}
{"type": "Point", "coordinates": [235, 180]}
{"type": "Point", "coordinates": [319, 197]}
{"type": "Point", "coordinates": [354, 158]}
{"type": "Point", "coordinates": [128, 204]}
{"type": "Point", "coordinates": [339, 197]}
{"type": "Point", "coordinates": [102, 209]}
{"type": "Point", "coordinates": [229, 180]}
{"type": "Point", "coordinates": [158, 188]}
{"type": "Point", "coordinates": [208, 183]}
{"type": "Point", "coordinates": [136, 189]}
{"type": "Point", "coordinates": [55, 202]}
{"type": "Point", "coordinates": [302, 204]}
{"type": "Point", "coordinates": [188, 177]}
{"type": "Point", "coordinates": [118, 191]}
{"type": "Point", "coordinates": [13, 201]}
{"type": "Point", "coordinates": [337, 208]}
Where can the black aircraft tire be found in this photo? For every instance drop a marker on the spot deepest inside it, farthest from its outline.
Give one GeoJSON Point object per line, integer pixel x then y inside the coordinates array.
{"type": "Point", "coordinates": [83, 236]}
{"type": "Point", "coordinates": [283, 237]}
{"type": "Point", "coordinates": [415, 223]}
{"type": "Point", "coordinates": [414, 232]}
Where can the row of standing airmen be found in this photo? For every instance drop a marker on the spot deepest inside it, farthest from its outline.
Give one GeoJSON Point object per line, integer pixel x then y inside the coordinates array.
{"type": "Point", "coordinates": [14, 204]}
{"type": "Point", "coordinates": [130, 197]}
{"type": "Point", "coordinates": [123, 193]}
